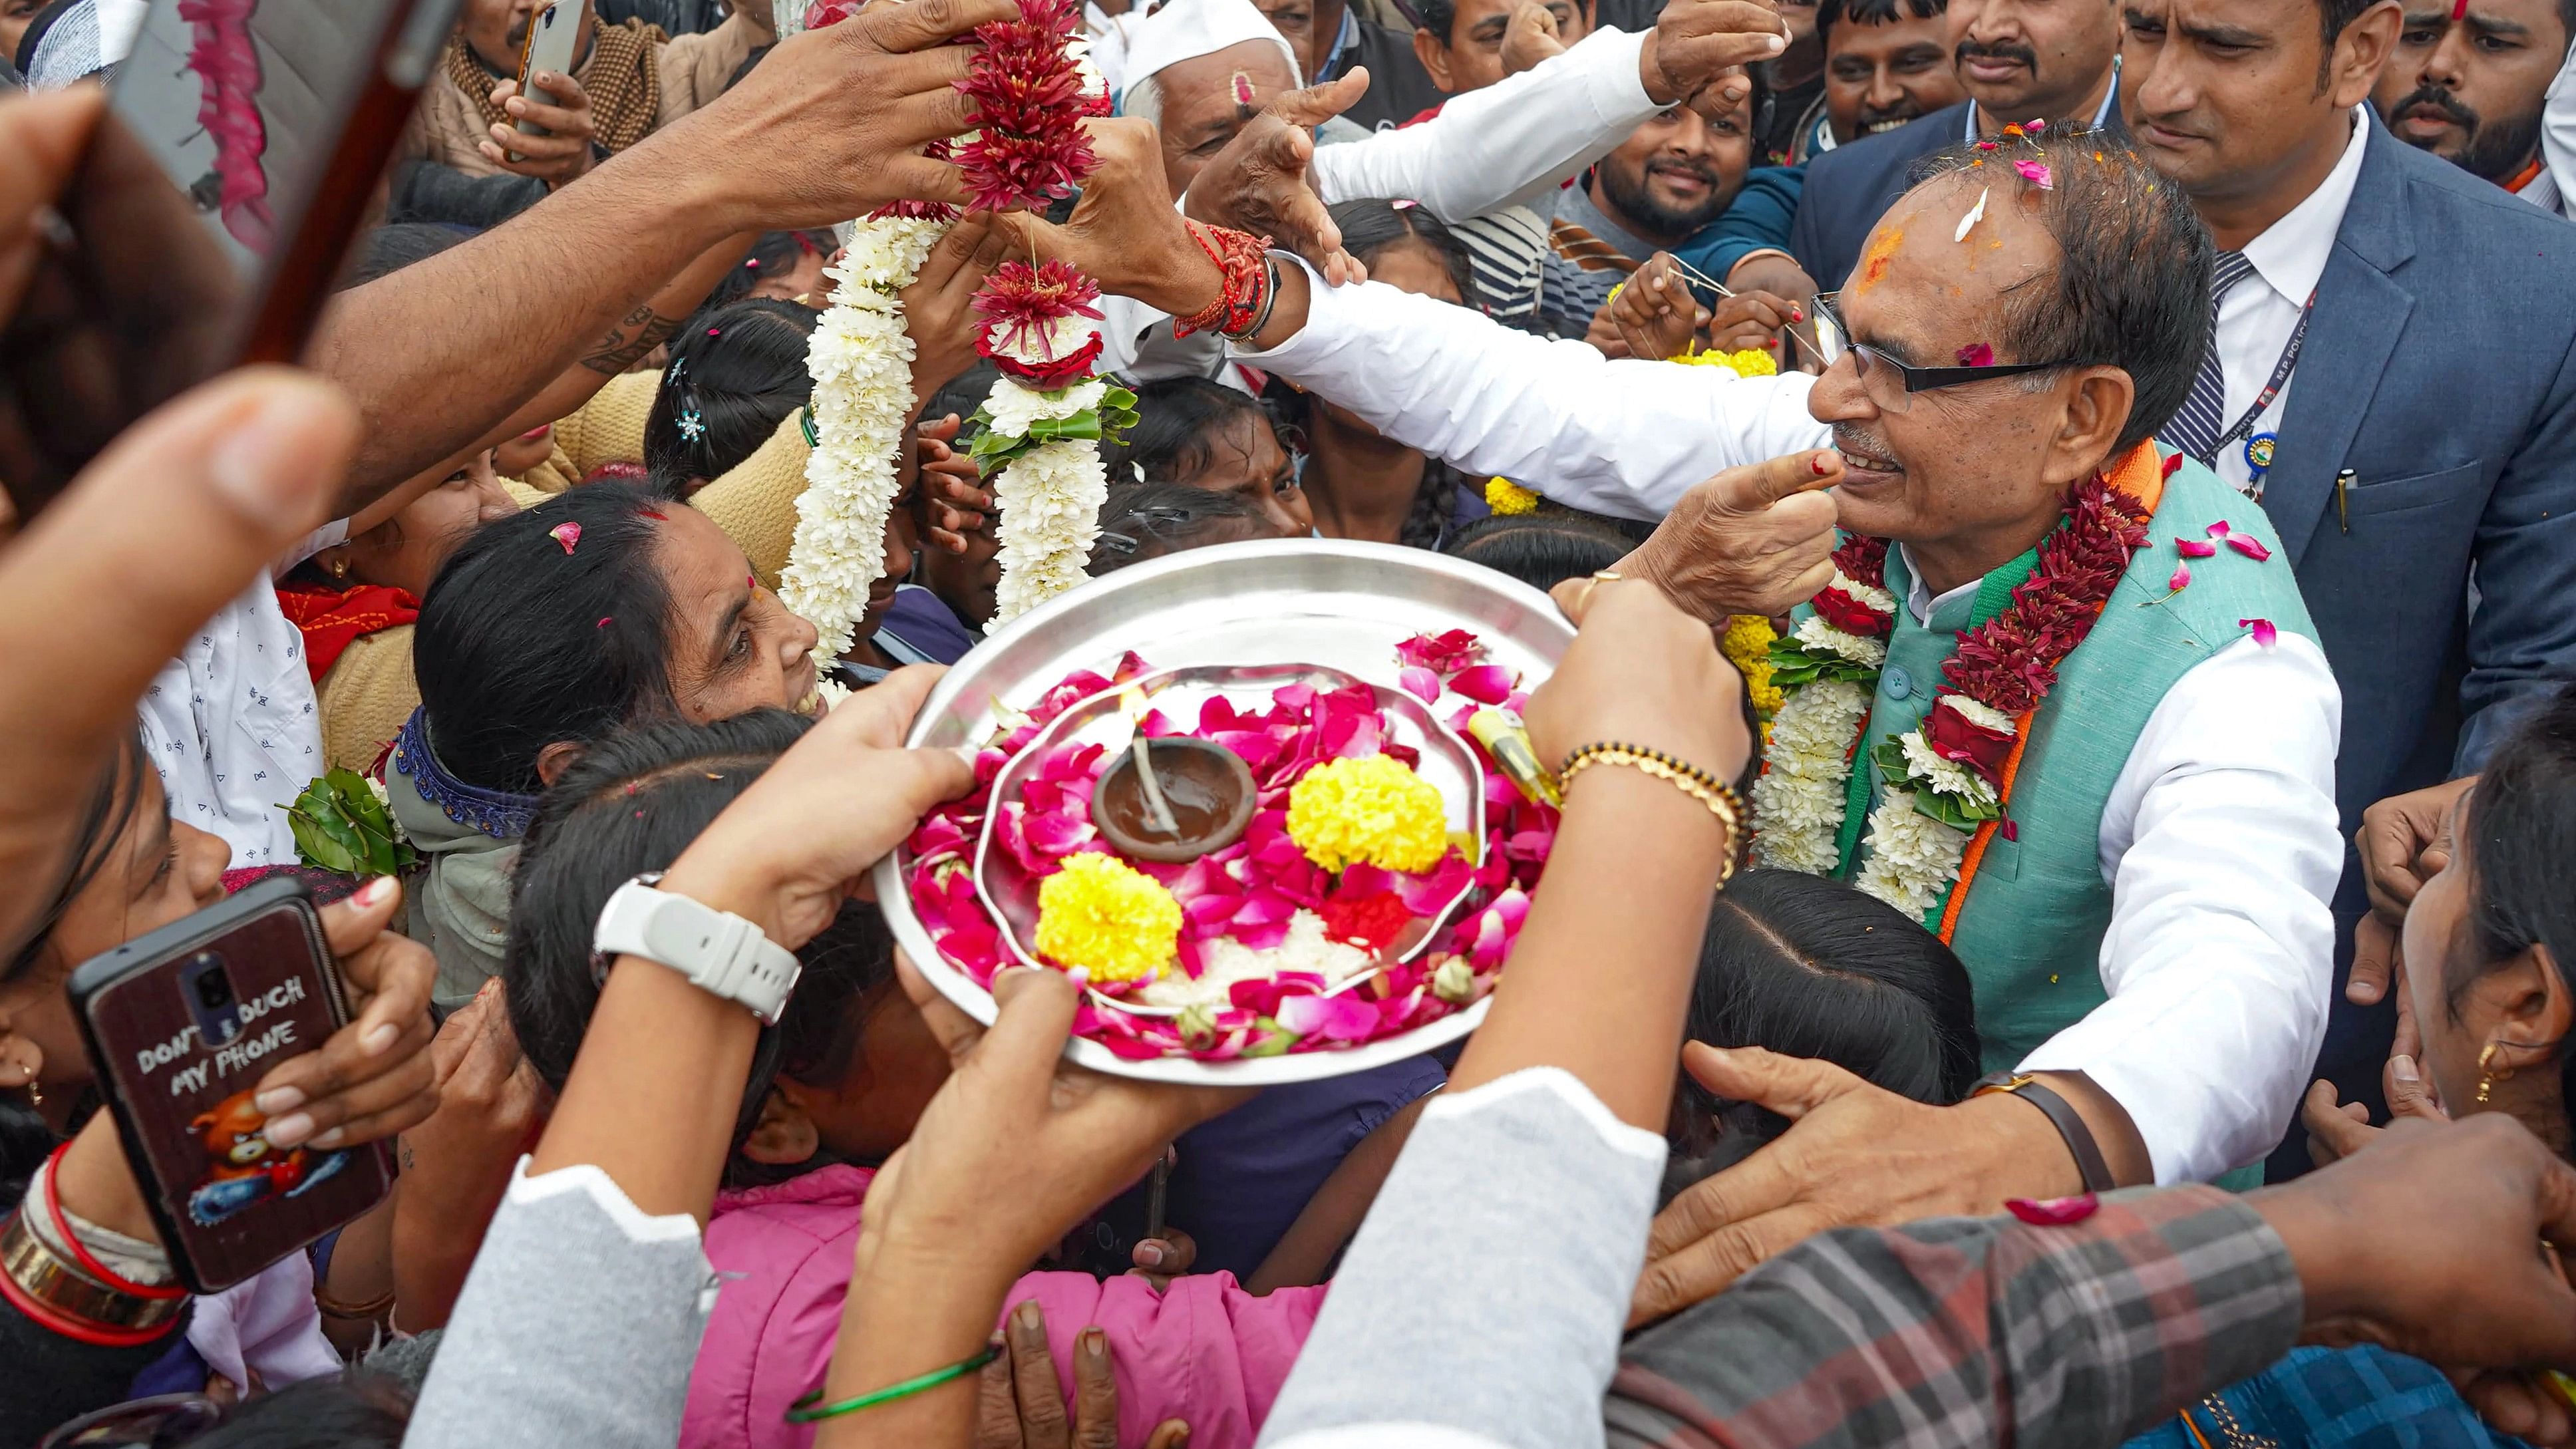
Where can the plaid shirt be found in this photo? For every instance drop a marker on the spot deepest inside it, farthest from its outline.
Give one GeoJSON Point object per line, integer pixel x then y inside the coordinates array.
{"type": "Point", "coordinates": [1971, 1332]}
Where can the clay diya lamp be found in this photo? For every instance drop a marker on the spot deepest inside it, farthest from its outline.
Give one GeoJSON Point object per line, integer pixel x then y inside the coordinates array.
{"type": "Point", "coordinates": [1190, 797]}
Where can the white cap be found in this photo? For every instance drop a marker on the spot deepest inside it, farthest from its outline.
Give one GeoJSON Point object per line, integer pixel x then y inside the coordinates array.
{"type": "Point", "coordinates": [1185, 30]}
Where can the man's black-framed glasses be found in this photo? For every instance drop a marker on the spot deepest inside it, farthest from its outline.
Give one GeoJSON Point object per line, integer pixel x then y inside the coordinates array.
{"type": "Point", "coordinates": [1833, 339]}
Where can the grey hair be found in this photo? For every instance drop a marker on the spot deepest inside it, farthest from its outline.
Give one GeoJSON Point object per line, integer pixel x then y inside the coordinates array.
{"type": "Point", "coordinates": [2131, 285]}
{"type": "Point", "coordinates": [1144, 100]}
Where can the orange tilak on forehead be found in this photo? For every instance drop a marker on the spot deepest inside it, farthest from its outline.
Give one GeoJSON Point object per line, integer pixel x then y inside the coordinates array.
{"type": "Point", "coordinates": [1873, 262]}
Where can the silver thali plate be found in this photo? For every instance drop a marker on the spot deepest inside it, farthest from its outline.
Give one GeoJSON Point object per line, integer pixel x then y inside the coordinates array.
{"type": "Point", "coordinates": [1284, 601]}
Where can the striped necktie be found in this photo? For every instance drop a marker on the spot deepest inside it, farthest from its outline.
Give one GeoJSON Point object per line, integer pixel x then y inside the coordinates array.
{"type": "Point", "coordinates": [2195, 428]}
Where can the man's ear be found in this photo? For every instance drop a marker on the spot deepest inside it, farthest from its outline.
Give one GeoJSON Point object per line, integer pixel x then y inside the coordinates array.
{"type": "Point", "coordinates": [2097, 408]}
{"type": "Point", "coordinates": [1435, 60]}
{"type": "Point", "coordinates": [2353, 62]}
{"type": "Point", "coordinates": [784, 1136]}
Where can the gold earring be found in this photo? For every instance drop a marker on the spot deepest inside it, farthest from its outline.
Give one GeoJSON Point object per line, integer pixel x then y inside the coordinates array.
{"type": "Point", "coordinates": [2486, 1076]}
{"type": "Point", "coordinates": [339, 568]}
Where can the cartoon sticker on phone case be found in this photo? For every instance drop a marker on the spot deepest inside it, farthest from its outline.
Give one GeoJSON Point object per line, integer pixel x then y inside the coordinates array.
{"type": "Point", "coordinates": [247, 1168]}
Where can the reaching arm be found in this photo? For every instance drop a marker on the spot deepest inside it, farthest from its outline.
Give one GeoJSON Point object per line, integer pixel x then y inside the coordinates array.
{"type": "Point", "coordinates": [1503, 144]}
{"type": "Point", "coordinates": [2221, 843]}
{"type": "Point", "coordinates": [485, 326]}
{"type": "Point", "coordinates": [1625, 438]}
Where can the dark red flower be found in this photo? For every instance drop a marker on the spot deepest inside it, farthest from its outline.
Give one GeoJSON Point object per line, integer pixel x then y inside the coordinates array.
{"type": "Point", "coordinates": [1961, 740]}
{"type": "Point", "coordinates": [1851, 615]}
{"type": "Point", "coordinates": [1863, 560]}
{"type": "Point", "coordinates": [1028, 107]}
{"type": "Point", "coordinates": [1019, 303]}
{"type": "Point", "coordinates": [1049, 376]}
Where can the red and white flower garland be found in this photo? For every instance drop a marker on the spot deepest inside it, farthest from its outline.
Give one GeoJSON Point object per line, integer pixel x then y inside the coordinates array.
{"type": "Point", "coordinates": [1952, 773]}
{"type": "Point", "coordinates": [1040, 429]}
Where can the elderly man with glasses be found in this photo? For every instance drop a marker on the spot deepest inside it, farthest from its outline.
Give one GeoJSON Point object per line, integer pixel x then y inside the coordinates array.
{"type": "Point", "coordinates": [2048, 691]}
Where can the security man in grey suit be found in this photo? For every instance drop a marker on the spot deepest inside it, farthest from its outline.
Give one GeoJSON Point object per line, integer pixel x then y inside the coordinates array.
{"type": "Point", "coordinates": [2394, 377]}
{"type": "Point", "coordinates": [2020, 60]}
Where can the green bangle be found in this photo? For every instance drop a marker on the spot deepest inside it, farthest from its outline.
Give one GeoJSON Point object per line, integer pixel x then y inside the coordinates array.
{"type": "Point", "coordinates": [798, 1413]}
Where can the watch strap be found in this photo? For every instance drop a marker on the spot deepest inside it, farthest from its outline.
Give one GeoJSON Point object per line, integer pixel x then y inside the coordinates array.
{"type": "Point", "coordinates": [2062, 1115]}
{"type": "Point", "coordinates": [721, 953]}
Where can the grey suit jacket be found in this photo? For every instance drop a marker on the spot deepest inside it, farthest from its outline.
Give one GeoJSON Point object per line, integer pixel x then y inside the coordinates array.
{"type": "Point", "coordinates": [2440, 367]}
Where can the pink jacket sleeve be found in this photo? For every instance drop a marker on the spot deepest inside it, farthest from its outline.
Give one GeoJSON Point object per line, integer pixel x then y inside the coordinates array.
{"type": "Point", "coordinates": [1203, 1351]}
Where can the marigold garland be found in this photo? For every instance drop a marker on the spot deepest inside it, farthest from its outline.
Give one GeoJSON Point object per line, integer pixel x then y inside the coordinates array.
{"type": "Point", "coordinates": [1509, 499]}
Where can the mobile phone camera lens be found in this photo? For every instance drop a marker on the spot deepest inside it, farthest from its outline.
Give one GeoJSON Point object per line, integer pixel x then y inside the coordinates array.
{"type": "Point", "coordinates": [213, 991]}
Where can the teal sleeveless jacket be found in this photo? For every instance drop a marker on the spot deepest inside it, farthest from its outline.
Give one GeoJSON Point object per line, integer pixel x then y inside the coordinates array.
{"type": "Point", "coordinates": [2030, 931]}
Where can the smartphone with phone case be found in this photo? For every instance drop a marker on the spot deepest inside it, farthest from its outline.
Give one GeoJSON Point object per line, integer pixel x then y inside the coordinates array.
{"type": "Point", "coordinates": [209, 217]}
{"type": "Point", "coordinates": [552, 33]}
{"type": "Point", "coordinates": [182, 1024]}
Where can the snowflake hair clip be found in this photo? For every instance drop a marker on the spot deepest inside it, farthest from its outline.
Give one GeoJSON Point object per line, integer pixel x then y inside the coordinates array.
{"type": "Point", "coordinates": [693, 425]}
{"type": "Point", "coordinates": [671, 375]}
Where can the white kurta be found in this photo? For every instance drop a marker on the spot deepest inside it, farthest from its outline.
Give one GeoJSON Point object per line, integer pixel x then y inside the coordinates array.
{"type": "Point", "coordinates": [2219, 840]}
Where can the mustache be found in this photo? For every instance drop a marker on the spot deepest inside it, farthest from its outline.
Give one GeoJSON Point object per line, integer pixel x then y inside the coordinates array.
{"type": "Point", "coordinates": [1996, 50]}
{"type": "Point", "coordinates": [1905, 109]}
{"type": "Point", "coordinates": [1701, 169]}
{"type": "Point", "coordinates": [1852, 441]}
{"type": "Point", "coordinates": [2439, 99]}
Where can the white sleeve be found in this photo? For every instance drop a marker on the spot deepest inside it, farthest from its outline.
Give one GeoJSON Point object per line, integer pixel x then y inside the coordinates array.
{"type": "Point", "coordinates": [2558, 131]}
{"type": "Point", "coordinates": [1506, 143]}
{"type": "Point", "coordinates": [1626, 438]}
{"type": "Point", "coordinates": [2222, 849]}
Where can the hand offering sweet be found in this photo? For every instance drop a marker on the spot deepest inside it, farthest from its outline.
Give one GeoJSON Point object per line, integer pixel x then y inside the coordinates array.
{"type": "Point", "coordinates": [1531, 37]}
{"type": "Point", "coordinates": [1640, 672]}
{"type": "Point", "coordinates": [1698, 49]}
{"type": "Point", "coordinates": [1753, 540]}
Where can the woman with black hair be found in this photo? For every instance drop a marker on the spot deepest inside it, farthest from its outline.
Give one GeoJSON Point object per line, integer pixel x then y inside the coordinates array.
{"type": "Point", "coordinates": [134, 869]}
{"type": "Point", "coordinates": [1359, 483]}
{"type": "Point", "coordinates": [1142, 521]}
{"type": "Point", "coordinates": [544, 633]}
{"type": "Point", "coordinates": [1207, 436]}
{"type": "Point", "coordinates": [1541, 550]}
{"type": "Point", "coordinates": [735, 373]}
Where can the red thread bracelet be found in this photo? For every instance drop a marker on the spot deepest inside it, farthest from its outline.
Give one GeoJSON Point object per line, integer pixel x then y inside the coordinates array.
{"type": "Point", "coordinates": [97, 1269]}
{"type": "Point", "coordinates": [1241, 260]}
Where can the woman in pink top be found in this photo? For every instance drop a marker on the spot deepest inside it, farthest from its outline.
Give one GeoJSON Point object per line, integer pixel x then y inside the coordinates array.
{"type": "Point", "coordinates": [841, 1080]}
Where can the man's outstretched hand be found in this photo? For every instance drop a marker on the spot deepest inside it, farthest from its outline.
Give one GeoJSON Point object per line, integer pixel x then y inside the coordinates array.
{"type": "Point", "coordinates": [1260, 184]}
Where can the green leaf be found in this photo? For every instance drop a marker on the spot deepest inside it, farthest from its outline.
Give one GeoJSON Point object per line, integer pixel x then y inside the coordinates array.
{"type": "Point", "coordinates": [1276, 1040]}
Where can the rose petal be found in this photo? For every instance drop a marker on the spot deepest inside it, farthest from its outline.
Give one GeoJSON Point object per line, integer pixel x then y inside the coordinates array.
{"type": "Point", "coordinates": [2055, 1212]}
{"type": "Point", "coordinates": [2194, 547]}
{"type": "Point", "coordinates": [2034, 172]}
{"type": "Point", "coordinates": [566, 534]}
{"type": "Point", "coordinates": [1977, 354]}
{"type": "Point", "coordinates": [2181, 576]}
{"type": "Point", "coordinates": [1419, 682]}
{"type": "Point", "coordinates": [2266, 633]}
{"type": "Point", "coordinates": [2218, 529]}
{"type": "Point", "coordinates": [2248, 545]}
{"type": "Point", "coordinates": [1485, 684]}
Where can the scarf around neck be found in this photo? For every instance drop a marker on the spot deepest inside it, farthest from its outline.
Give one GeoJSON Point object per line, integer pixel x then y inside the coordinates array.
{"type": "Point", "coordinates": [333, 619]}
{"type": "Point", "coordinates": [468, 837]}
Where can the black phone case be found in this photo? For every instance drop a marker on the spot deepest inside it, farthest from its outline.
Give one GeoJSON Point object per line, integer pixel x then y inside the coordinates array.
{"type": "Point", "coordinates": [178, 1068]}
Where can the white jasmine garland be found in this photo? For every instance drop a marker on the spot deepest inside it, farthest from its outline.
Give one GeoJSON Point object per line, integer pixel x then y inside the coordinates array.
{"type": "Point", "coordinates": [861, 360]}
{"type": "Point", "coordinates": [1913, 857]}
{"type": "Point", "coordinates": [1014, 409]}
{"type": "Point", "coordinates": [1822, 637]}
{"type": "Point", "coordinates": [1984, 716]}
{"type": "Point", "coordinates": [1798, 801]}
{"type": "Point", "coordinates": [1049, 500]}
{"type": "Point", "coordinates": [1868, 596]}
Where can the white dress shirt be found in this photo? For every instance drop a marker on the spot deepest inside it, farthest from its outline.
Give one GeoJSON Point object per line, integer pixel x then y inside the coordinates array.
{"type": "Point", "coordinates": [2258, 314]}
{"type": "Point", "coordinates": [2558, 131]}
{"type": "Point", "coordinates": [2219, 842]}
{"type": "Point", "coordinates": [233, 724]}
{"type": "Point", "coordinates": [1487, 149]}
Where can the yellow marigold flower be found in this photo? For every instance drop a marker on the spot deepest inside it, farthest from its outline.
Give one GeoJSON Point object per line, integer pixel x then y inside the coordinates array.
{"type": "Point", "coordinates": [1751, 362]}
{"type": "Point", "coordinates": [1506, 497]}
{"type": "Point", "coordinates": [1747, 646]}
{"type": "Point", "coordinates": [1372, 809]}
{"type": "Point", "coordinates": [1107, 917]}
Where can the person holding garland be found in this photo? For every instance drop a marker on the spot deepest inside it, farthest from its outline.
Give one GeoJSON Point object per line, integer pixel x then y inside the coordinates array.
{"type": "Point", "coordinates": [2049, 693]}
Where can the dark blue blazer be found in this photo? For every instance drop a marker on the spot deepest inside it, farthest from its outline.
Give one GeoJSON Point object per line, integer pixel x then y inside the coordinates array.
{"type": "Point", "coordinates": [2440, 368]}
{"type": "Point", "coordinates": [1850, 187]}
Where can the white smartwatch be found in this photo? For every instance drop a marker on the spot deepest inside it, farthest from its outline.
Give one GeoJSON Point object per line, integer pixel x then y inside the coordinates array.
{"type": "Point", "coordinates": [721, 953]}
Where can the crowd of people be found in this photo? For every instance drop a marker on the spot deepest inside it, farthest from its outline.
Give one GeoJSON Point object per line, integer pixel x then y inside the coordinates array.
{"type": "Point", "coordinates": [2096, 964]}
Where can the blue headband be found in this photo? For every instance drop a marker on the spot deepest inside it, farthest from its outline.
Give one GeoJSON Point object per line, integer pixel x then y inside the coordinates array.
{"type": "Point", "coordinates": [496, 813]}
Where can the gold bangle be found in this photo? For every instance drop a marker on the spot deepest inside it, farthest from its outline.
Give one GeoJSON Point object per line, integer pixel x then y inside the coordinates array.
{"type": "Point", "coordinates": [59, 1285]}
{"type": "Point", "coordinates": [1681, 774]}
{"type": "Point", "coordinates": [368, 1311]}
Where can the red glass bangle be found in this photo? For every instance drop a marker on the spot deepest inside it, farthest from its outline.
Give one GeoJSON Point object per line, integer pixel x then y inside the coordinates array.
{"type": "Point", "coordinates": [88, 1261]}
